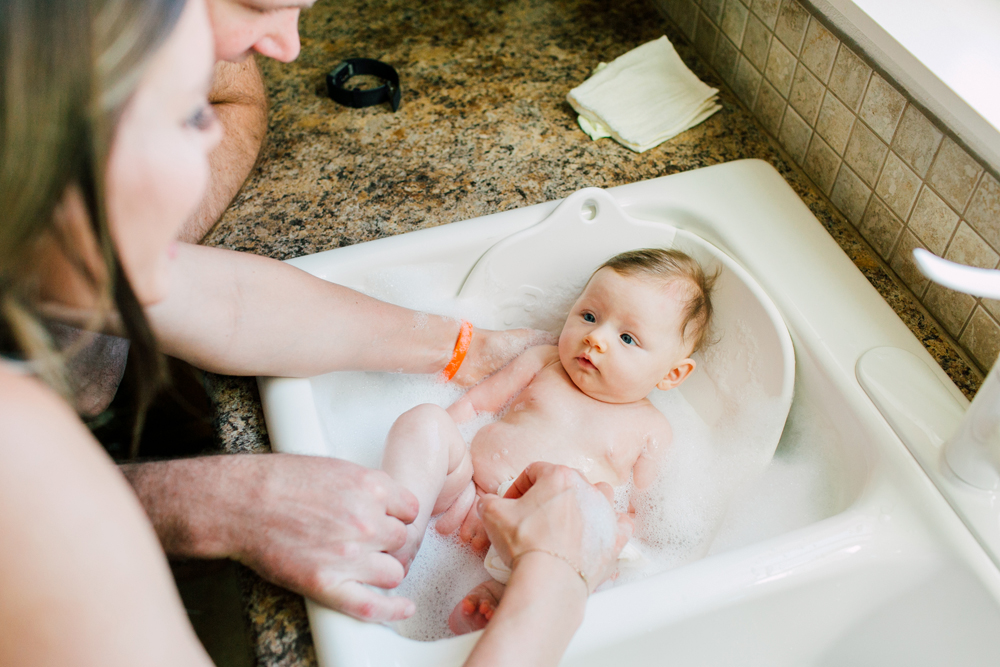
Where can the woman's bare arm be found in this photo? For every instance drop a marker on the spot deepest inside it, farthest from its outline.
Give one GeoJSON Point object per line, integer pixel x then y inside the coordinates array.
{"type": "Point", "coordinates": [242, 314]}
{"type": "Point", "coordinates": [541, 609]}
{"type": "Point", "coordinates": [84, 581]}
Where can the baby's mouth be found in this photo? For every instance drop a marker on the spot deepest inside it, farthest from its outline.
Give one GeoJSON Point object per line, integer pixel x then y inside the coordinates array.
{"type": "Point", "coordinates": [585, 362]}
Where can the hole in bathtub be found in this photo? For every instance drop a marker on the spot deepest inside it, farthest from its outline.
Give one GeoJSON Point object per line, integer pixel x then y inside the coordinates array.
{"type": "Point", "coordinates": [589, 210]}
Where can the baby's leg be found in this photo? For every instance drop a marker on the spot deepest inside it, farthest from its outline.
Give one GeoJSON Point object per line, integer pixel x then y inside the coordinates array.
{"type": "Point", "coordinates": [477, 608]}
{"type": "Point", "coordinates": [425, 453]}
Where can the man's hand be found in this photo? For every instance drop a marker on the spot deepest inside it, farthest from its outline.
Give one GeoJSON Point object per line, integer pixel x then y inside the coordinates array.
{"type": "Point", "coordinates": [317, 526]}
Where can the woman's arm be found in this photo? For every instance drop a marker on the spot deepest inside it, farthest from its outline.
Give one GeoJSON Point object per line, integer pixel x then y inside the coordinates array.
{"type": "Point", "coordinates": [82, 577]}
{"type": "Point", "coordinates": [241, 314]}
{"type": "Point", "coordinates": [538, 615]}
{"type": "Point", "coordinates": [545, 530]}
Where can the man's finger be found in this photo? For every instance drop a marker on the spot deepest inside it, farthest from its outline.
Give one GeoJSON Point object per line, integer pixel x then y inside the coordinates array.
{"type": "Point", "coordinates": [380, 570]}
{"type": "Point", "coordinates": [401, 504]}
{"type": "Point", "coordinates": [365, 604]}
{"type": "Point", "coordinates": [390, 534]}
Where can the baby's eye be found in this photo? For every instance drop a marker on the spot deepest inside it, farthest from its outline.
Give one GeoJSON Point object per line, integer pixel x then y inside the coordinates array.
{"type": "Point", "coordinates": [589, 317]}
{"type": "Point", "coordinates": [628, 340]}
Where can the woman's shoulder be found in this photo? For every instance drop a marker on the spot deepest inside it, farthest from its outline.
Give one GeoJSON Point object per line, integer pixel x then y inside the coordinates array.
{"type": "Point", "coordinates": [29, 409]}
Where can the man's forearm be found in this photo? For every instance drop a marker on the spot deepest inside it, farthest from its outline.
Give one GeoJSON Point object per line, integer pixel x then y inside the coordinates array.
{"type": "Point", "coordinates": [240, 103]}
{"type": "Point", "coordinates": [190, 502]}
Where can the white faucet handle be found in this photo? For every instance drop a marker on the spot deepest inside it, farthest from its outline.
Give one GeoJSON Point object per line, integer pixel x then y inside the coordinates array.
{"type": "Point", "coordinates": [961, 278]}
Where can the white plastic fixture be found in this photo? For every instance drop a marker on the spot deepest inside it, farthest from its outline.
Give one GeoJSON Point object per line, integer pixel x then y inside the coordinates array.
{"type": "Point", "coordinates": [973, 452]}
{"type": "Point", "coordinates": [901, 570]}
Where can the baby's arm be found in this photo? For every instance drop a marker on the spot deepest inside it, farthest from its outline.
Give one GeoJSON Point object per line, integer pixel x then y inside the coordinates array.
{"type": "Point", "coordinates": [497, 390]}
{"type": "Point", "coordinates": [657, 441]}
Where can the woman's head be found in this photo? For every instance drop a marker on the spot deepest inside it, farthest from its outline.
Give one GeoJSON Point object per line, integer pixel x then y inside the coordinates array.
{"type": "Point", "coordinates": [104, 135]}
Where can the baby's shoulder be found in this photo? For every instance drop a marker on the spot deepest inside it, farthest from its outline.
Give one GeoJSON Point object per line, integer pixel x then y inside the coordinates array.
{"type": "Point", "coordinates": [543, 358]}
{"type": "Point", "coordinates": [651, 420]}
{"type": "Point", "coordinates": [548, 354]}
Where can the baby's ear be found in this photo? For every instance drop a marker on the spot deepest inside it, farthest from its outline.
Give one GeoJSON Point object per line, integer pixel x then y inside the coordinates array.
{"type": "Point", "coordinates": [677, 374]}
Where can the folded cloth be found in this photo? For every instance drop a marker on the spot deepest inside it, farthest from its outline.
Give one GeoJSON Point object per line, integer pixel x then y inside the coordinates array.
{"type": "Point", "coordinates": [643, 98]}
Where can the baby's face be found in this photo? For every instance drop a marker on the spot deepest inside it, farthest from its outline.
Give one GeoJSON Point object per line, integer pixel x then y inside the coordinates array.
{"type": "Point", "coordinates": [623, 337]}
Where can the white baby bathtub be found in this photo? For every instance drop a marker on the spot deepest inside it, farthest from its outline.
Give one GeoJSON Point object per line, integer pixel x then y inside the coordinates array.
{"type": "Point", "coordinates": [886, 574]}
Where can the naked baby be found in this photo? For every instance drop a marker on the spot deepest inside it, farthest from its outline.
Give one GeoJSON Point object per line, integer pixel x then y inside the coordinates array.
{"type": "Point", "coordinates": [581, 404]}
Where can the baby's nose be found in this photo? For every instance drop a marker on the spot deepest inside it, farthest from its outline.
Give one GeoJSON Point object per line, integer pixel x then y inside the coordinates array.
{"type": "Point", "coordinates": [596, 341]}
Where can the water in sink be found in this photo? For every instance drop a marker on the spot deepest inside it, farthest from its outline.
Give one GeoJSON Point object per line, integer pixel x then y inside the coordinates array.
{"type": "Point", "coordinates": [676, 520]}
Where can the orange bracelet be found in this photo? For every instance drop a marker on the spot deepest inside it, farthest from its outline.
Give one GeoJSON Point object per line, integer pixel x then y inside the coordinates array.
{"type": "Point", "coordinates": [461, 348]}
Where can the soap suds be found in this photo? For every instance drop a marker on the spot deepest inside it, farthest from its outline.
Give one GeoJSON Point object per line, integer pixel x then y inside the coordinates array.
{"type": "Point", "coordinates": [717, 454]}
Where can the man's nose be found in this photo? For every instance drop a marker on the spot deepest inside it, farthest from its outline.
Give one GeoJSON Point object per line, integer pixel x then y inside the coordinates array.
{"type": "Point", "coordinates": [282, 41]}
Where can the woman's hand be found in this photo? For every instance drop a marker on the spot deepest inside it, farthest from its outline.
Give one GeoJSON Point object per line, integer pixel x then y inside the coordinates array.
{"type": "Point", "coordinates": [552, 520]}
{"type": "Point", "coordinates": [552, 509]}
{"type": "Point", "coordinates": [492, 350]}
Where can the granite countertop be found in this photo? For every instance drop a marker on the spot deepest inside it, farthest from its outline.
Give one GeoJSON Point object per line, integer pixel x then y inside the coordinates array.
{"type": "Point", "coordinates": [483, 127]}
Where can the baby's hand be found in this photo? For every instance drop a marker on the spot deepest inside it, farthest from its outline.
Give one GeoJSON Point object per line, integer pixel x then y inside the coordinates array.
{"type": "Point", "coordinates": [492, 350]}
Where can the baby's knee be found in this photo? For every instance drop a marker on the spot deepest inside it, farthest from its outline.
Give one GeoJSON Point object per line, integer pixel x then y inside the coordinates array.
{"type": "Point", "coordinates": [423, 415]}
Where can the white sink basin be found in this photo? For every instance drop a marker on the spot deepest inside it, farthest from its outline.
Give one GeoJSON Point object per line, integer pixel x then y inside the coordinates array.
{"type": "Point", "coordinates": [880, 570]}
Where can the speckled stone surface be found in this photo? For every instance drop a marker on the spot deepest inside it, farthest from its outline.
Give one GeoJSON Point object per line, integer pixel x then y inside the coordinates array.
{"type": "Point", "coordinates": [484, 127]}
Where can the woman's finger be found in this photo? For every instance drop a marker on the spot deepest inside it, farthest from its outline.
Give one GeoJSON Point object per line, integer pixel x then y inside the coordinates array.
{"type": "Point", "coordinates": [529, 476]}
{"type": "Point", "coordinates": [607, 490]}
{"type": "Point", "coordinates": [365, 604]}
{"type": "Point", "coordinates": [625, 530]}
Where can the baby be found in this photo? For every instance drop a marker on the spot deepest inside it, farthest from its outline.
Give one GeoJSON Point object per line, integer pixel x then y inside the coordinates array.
{"type": "Point", "coordinates": [581, 404]}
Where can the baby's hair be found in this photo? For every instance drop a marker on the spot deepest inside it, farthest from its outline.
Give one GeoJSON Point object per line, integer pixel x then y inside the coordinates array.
{"type": "Point", "coordinates": [670, 265]}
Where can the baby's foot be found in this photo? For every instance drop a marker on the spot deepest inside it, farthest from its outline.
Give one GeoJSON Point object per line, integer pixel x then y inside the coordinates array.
{"type": "Point", "coordinates": [477, 608]}
{"type": "Point", "coordinates": [473, 532]}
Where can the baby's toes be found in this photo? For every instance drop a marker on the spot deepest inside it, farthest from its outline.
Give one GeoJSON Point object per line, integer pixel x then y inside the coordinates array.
{"type": "Point", "coordinates": [476, 609]}
{"type": "Point", "coordinates": [465, 617]}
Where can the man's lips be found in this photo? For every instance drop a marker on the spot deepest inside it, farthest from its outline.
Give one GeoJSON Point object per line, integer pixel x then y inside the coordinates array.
{"type": "Point", "coordinates": [585, 362]}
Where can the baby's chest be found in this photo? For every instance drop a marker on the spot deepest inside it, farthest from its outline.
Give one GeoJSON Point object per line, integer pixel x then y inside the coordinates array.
{"type": "Point", "coordinates": [578, 425]}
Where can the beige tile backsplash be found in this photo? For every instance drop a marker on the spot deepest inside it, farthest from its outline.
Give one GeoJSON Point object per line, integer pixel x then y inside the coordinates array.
{"type": "Point", "coordinates": [894, 173]}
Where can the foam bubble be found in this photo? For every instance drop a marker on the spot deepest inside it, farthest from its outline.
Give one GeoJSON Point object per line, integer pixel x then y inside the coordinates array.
{"type": "Point", "coordinates": [796, 489]}
{"type": "Point", "coordinates": [360, 408]}
{"type": "Point", "coordinates": [443, 572]}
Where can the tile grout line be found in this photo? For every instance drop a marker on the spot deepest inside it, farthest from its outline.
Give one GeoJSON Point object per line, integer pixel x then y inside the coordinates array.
{"type": "Point", "coordinates": [816, 144]}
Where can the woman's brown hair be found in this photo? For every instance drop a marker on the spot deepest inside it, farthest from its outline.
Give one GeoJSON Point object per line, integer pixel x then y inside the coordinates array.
{"type": "Point", "coordinates": [67, 70]}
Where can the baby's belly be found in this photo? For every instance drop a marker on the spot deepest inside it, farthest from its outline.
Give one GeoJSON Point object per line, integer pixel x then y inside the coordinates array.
{"type": "Point", "coordinates": [500, 451]}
